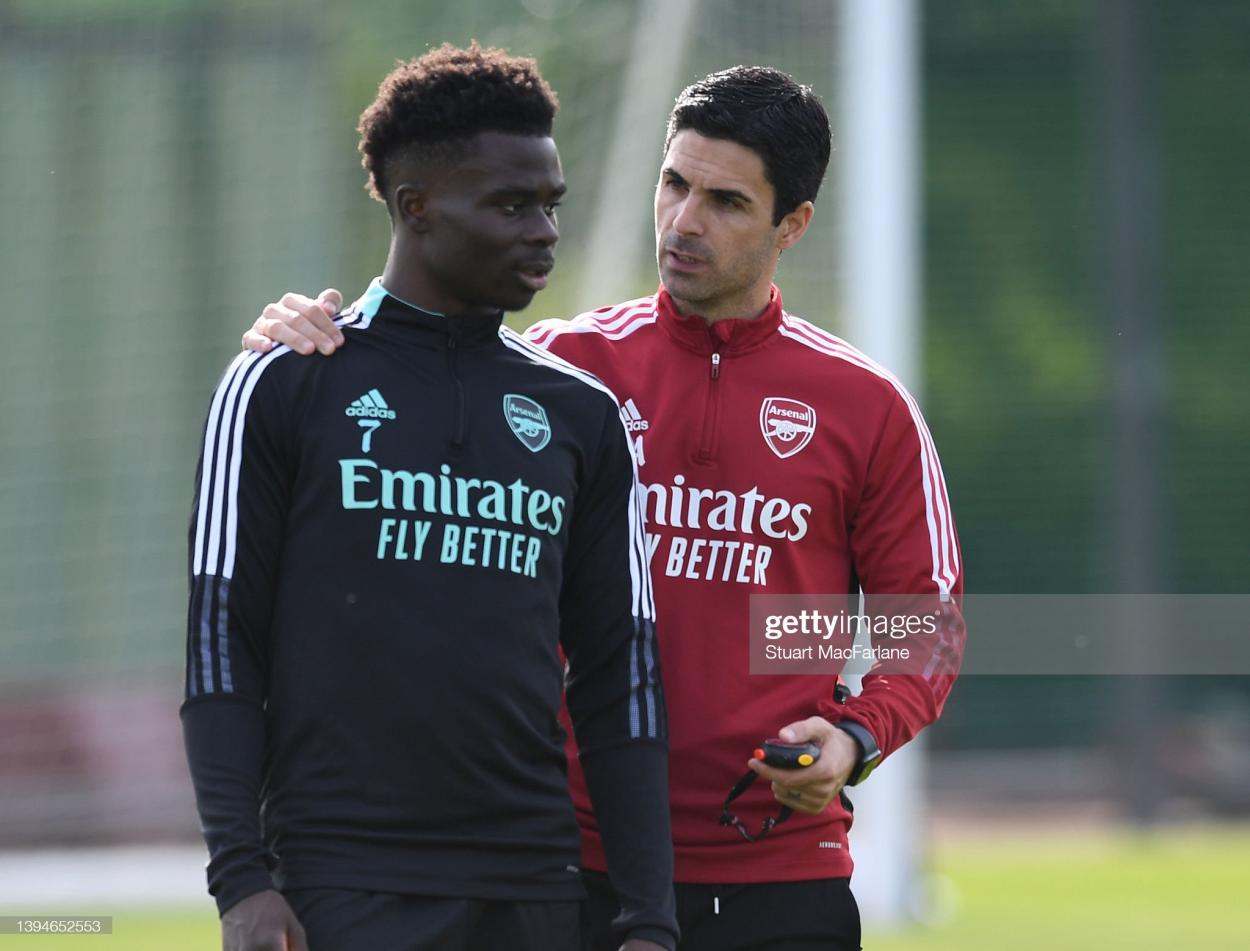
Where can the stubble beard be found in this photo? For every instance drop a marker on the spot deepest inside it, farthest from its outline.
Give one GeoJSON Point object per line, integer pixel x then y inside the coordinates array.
{"type": "Point", "coordinates": [710, 293]}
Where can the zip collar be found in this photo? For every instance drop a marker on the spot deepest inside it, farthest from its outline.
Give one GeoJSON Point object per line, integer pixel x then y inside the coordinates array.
{"type": "Point", "coordinates": [732, 335]}
{"type": "Point", "coordinates": [426, 327]}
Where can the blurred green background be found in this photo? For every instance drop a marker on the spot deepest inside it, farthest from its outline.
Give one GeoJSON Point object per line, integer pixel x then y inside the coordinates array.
{"type": "Point", "coordinates": [169, 166]}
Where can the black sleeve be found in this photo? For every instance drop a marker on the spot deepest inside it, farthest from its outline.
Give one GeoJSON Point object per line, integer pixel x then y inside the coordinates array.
{"type": "Point", "coordinates": [607, 621]}
{"type": "Point", "coordinates": [237, 527]}
{"type": "Point", "coordinates": [629, 789]}
{"type": "Point", "coordinates": [225, 745]}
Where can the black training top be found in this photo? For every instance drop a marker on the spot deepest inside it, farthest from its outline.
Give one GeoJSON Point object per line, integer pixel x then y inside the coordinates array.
{"type": "Point", "coordinates": [389, 551]}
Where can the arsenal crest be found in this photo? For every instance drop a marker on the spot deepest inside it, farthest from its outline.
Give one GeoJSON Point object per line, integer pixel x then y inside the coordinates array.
{"type": "Point", "coordinates": [527, 420]}
{"type": "Point", "coordinates": [787, 425]}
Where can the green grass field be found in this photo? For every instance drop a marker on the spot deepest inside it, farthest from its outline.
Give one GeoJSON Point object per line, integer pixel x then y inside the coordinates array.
{"type": "Point", "coordinates": [1028, 892]}
{"type": "Point", "coordinates": [1104, 891]}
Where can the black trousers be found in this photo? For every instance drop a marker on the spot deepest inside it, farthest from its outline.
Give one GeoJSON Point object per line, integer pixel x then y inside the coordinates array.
{"type": "Point", "coordinates": [817, 915]}
{"type": "Point", "coordinates": [342, 920]}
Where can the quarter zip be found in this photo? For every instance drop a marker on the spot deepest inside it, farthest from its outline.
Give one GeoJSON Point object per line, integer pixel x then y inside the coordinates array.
{"type": "Point", "coordinates": [711, 413]}
{"type": "Point", "coordinates": [456, 334]}
{"type": "Point", "coordinates": [716, 341]}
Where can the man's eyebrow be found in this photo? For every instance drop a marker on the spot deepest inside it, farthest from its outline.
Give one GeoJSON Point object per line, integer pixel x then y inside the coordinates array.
{"type": "Point", "coordinates": [723, 193]}
{"type": "Point", "coordinates": [731, 193]}
{"type": "Point", "coordinates": [527, 191]}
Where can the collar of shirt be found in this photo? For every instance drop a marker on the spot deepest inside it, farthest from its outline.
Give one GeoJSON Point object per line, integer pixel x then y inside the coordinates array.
{"type": "Point", "coordinates": [428, 327]}
{"type": "Point", "coordinates": [729, 335]}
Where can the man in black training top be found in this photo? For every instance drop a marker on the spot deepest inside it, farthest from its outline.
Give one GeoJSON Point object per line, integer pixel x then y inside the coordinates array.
{"type": "Point", "coordinates": [376, 755]}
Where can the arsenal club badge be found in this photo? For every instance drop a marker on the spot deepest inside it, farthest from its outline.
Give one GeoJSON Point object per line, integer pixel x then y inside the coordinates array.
{"type": "Point", "coordinates": [787, 425]}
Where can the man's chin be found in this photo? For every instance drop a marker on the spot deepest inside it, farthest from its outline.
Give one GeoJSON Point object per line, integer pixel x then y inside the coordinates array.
{"type": "Point", "coordinates": [518, 302]}
{"type": "Point", "coordinates": [687, 287]}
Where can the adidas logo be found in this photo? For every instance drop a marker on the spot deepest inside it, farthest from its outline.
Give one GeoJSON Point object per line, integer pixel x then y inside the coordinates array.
{"type": "Point", "coordinates": [635, 423]}
{"type": "Point", "coordinates": [371, 406]}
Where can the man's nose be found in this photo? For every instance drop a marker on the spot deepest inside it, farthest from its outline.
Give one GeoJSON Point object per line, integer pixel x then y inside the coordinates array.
{"type": "Point", "coordinates": [688, 220]}
{"type": "Point", "coordinates": [542, 230]}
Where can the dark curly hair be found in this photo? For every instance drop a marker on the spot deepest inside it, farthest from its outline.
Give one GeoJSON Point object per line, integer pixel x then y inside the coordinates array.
{"type": "Point", "coordinates": [772, 115]}
{"type": "Point", "coordinates": [430, 107]}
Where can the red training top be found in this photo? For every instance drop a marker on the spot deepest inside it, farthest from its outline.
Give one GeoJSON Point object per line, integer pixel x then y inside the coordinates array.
{"type": "Point", "coordinates": [776, 459]}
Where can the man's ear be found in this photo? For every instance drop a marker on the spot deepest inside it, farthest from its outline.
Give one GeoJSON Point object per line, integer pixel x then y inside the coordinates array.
{"type": "Point", "coordinates": [410, 207]}
{"type": "Point", "coordinates": [794, 225]}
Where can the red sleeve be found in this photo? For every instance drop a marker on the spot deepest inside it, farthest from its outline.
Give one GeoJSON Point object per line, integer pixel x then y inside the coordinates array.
{"type": "Point", "coordinates": [905, 551]}
{"type": "Point", "coordinates": [548, 335]}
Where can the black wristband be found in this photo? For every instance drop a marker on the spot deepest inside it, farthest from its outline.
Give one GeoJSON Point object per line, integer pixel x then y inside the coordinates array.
{"type": "Point", "coordinates": [869, 752]}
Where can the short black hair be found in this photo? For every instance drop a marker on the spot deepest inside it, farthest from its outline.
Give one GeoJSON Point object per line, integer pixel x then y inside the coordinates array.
{"type": "Point", "coordinates": [770, 113]}
{"type": "Point", "coordinates": [431, 106]}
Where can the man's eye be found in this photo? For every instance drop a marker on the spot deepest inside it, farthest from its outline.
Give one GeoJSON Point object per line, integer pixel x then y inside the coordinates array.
{"type": "Point", "coordinates": [511, 209]}
{"type": "Point", "coordinates": [550, 209]}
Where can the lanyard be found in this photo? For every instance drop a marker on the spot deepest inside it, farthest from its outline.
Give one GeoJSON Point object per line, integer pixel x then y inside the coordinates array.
{"type": "Point", "coordinates": [727, 818]}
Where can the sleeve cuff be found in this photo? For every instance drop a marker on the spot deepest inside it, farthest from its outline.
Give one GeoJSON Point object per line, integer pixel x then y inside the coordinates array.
{"type": "Point", "coordinates": [230, 895]}
{"type": "Point", "coordinates": [665, 939]}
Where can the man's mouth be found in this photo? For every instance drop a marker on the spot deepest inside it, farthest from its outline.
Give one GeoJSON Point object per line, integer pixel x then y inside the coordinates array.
{"type": "Point", "coordinates": [534, 274]}
{"type": "Point", "coordinates": [683, 262]}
